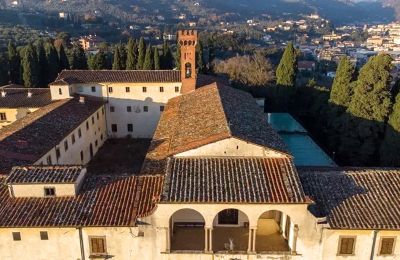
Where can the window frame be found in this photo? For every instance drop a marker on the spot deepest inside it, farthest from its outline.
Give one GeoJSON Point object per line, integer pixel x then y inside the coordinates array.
{"type": "Point", "coordinates": [340, 245]}
{"type": "Point", "coordinates": [73, 140]}
{"type": "Point", "coordinates": [161, 89]}
{"type": "Point", "coordinates": [130, 128]}
{"type": "Point", "coordinates": [144, 89]}
{"type": "Point", "coordinates": [48, 188]}
{"type": "Point", "coordinates": [380, 245]}
{"type": "Point", "coordinates": [16, 236]}
{"type": "Point", "coordinates": [110, 89]}
{"type": "Point", "coordinates": [66, 145]}
{"type": "Point", "coordinates": [93, 89]}
{"type": "Point", "coordinates": [91, 246]}
{"type": "Point", "coordinates": [112, 128]}
{"type": "Point", "coordinates": [129, 109]}
{"type": "Point", "coordinates": [112, 109]}
{"type": "Point", "coordinates": [162, 108]}
{"type": "Point", "coordinates": [176, 89]}
{"type": "Point", "coordinates": [58, 153]}
{"type": "Point", "coordinates": [3, 116]}
{"type": "Point", "coordinates": [145, 109]}
{"type": "Point", "coordinates": [127, 89]}
{"type": "Point", "coordinates": [44, 235]}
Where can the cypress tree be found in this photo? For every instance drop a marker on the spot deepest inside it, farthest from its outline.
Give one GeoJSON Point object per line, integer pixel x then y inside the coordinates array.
{"type": "Point", "coordinates": [178, 57]}
{"type": "Point", "coordinates": [4, 65]}
{"type": "Point", "coordinates": [42, 63]}
{"type": "Point", "coordinates": [78, 60]}
{"type": "Point", "coordinates": [99, 61]}
{"type": "Point", "coordinates": [141, 54]}
{"type": "Point", "coordinates": [53, 63]}
{"type": "Point", "coordinates": [30, 67]}
{"type": "Point", "coordinates": [14, 61]}
{"type": "Point", "coordinates": [167, 58]}
{"type": "Point", "coordinates": [342, 87]}
{"type": "Point", "coordinates": [199, 56]}
{"type": "Point", "coordinates": [62, 56]}
{"type": "Point", "coordinates": [287, 68]}
{"type": "Point", "coordinates": [156, 59]}
{"type": "Point", "coordinates": [123, 56]}
{"type": "Point", "coordinates": [148, 61]}
{"type": "Point", "coordinates": [389, 152]}
{"type": "Point", "coordinates": [117, 63]}
{"type": "Point", "coordinates": [132, 55]}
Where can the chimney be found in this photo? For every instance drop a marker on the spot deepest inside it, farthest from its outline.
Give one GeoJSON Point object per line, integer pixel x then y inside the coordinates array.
{"type": "Point", "coordinates": [29, 94]}
{"type": "Point", "coordinates": [82, 99]}
{"type": "Point", "coordinates": [3, 93]}
{"type": "Point", "coordinates": [187, 40]}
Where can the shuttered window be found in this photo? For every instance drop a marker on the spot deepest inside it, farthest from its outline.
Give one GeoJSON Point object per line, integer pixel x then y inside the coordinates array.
{"type": "Point", "coordinates": [346, 245]}
{"type": "Point", "coordinates": [98, 245]}
{"type": "Point", "coordinates": [387, 245]}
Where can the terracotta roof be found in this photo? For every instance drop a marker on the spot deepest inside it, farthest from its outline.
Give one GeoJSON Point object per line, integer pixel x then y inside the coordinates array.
{"type": "Point", "coordinates": [207, 115]}
{"type": "Point", "coordinates": [97, 76]}
{"type": "Point", "coordinates": [44, 174]}
{"type": "Point", "coordinates": [26, 140]}
{"type": "Point", "coordinates": [354, 198]}
{"type": "Point", "coordinates": [103, 201]}
{"type": "Point", "coordinates": [18, 98]}
{"type": "Point", "coordinates": [232, 180]}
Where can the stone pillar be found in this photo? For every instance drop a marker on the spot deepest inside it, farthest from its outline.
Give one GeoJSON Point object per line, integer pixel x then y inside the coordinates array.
{"type": "Point", "coordinates": [295, 235]}
{"type": "Point", "coordinates": [249, 246]}
{"type": "Point", "coordinates": [254, 240]}
{"type": "Point", "coordinates": [210, 240]}
{"type": "Point", "coordinates": [205, 239]}
{"type": "Point", "coordinates": [168, 240]}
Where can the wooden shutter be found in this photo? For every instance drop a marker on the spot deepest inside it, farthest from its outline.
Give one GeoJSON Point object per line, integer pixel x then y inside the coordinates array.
{"type": "Point", "coordinates": [98, 245]}
{"type": "Point", "coordinates": [386, 246]}
{"type": "Point", "coordinates": [346, 246]}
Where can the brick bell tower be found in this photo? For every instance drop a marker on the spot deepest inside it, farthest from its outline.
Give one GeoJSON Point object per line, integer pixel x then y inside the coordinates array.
{"type": "Point", "coordinates": [187, 40]}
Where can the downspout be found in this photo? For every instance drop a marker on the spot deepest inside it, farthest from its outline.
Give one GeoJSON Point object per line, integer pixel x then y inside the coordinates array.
{"type": "Point", "coordinates": [105, 109]}
{"type": "Point", "coordinates": [81, 243]}
{"type": "Point", "coordinates": [373, 245]}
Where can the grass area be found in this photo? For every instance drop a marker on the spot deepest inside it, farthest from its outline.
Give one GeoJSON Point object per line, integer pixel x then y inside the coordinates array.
{"type": "Point", "coordinates": [120, 156]}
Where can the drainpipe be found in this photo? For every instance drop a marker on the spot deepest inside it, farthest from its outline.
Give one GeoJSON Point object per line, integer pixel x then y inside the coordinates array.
{"type": "Point", "coordinates": [81, 243]}
{"type": "Point", "coordinates": [373, 245]}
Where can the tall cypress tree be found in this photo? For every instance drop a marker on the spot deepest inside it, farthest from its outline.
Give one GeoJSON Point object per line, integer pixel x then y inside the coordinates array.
{"type": "Point", "coordinates": [30, 67]}
{"type": "Point", "coordinates": [4, 65]}
{"type": "Point", "coordinates": [167, 58]}
{"type": "Point", "coordinates": [14, 63]}
{"type": "Point", "coordinates": [42, 63]}
{"type": "Point", "coordinates": [123, 55]}
{"type": "Point", "coordinates": [117, 63]}
{"type": "Point", "coordinates": [99, 61]}
{"type": "Point", "coordinates": [178, 57]}
{"type": "Point", "coordinates": [78, 60]}
{"type": "Point", "coordinates": [132, 55]}
{"type": "Point", "coordinates": [287, 68]}
{"type": "Point", "coordinates": [148, 61]}
{"type": "Point", "coordinates": [156, 59]}
{"type": "Point", "coordinates": [342, 87]}
{"type": "Point", "coordinates": [199, 56]}
{"type": "Point", "coordinates": [141, 54]}
{"type": "Point", "coordinates": [53, 63]}
{"type": "Point", "coordinates": [62, 56]}
{"type": "Point", "coordinates": [389, 152]}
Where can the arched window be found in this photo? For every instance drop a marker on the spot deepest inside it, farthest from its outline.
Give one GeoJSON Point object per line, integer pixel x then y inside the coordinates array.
{"type": "Point", "coordinates": [188, 70]}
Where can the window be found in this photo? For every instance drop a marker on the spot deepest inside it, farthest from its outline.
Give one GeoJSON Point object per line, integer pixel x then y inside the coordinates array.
{"type": "Point", "coordinates": [176, 89]}
{"type": "Point", "coordinates": [93, 89]}
{"type": "Point", "coordinates": [346, 245]}
{"type": "Point", "coordinates": [110, 89]}
{"type": "Point", "coordinates": [49, 192]}
{"type": "Point", "coordinates": [44, 235]}
{"type": "Point", "coordinates": [101, 137]}
{"type": "Point", "coordinates": [98, 246]}
{"type": "Point", "coordinates": [60, 91]}
{"type": "Point", "coordinates": [48, 160]}
{"type": "Point", "coordinates": [161, 89]}
{"type": "Point", "coordinates": [386, 246]}
{"type": "Point", "coordinates": [161, 108]}
{"type": "Point", "coordinates": [73, 138]}
{"type": "Point", "coordinates": [112, 109]}
{"type": "Point", "coordinates": [127, 89]}
{"type": "Point", "coordinates": [79, 133]}
{"type": "Point", "coordinates": [87, 125]}
{"type": "Point", "coordinates": [92, 120]}
{"type": "Point", "coordinates": [3, 117]}
{"type": "Point", "coordinates": [114, 128]}
{"type": "Point", "coordinates": [102, 110]}
{"type": "Point", "coordinates": [129, 108]}
{"type": "Point", "coordinates": [228, 217]}
{"type": "Point", "coordinates": [96, 143]}
{"type": "Point", "coordinates": [145, 109]}
{"type": "Point", "coordinates": [66, 145]}
{"type": "Point", "coordinates": [97, 115]}
{"type": "Point", "coordinates": [16, 236]}
{"type": "Point", "coordinates": [130, 127]}
{"type": "Point", "coordinates": [188, 70]}
{"type": "Point", "coordinates": [81, 156]}
{"type": "Point", "coordinates": [144, 89]}
{"type": "Point", "coordinates": [58, 154]}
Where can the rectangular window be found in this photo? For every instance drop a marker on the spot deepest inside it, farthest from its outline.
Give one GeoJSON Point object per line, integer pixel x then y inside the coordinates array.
{"type": "Point", "coordinates": [130, 127]}
{"type": "Point", "coordinates": [114, 128]}
{"type": "Point", "coordinates": [48, 160]}
{"type": "Point", "coordinates": [97, 115]}
{"type": "Point", "coordinates": [346, 245]}
{"type": "Point", "coordinates": [112, 109]}
{"type": "Point", "coordinates": [49, 192]}
{"type": "Point", "coordinates": [101, 137]}
{"type": "Point", "coordinates": [228, 217]}
{"type": "Point", "coordinates": [161, 89]}
{"type": "Point", "coordinates": [127, 89]}
{"type": "Point", "coordinates": [386, 246]}
{"type": "Point", "coordinates": [58, 154]}
{"type": "Point", "coordinates": [3, 117]}
{"type": "Point", "coordinates": [102, 110]}
{"type": "Point", "coordinates": [79, 133]}
{"type": "Point", "coordinates": [144, 89]}
{"type": "Point", "coordinates": [66, 145]}
{"type": "Point", "coordinates": [44, 235]}
{"type": "Point", "coordinates": [81, 156]}
{"type": "Point", "coordinates": [145, 109]}
{"type": "Point", "coordinates": [161, 108]}
{"type": "Point", "coordinates": [87, 125]}
{"type": "Point", "coordinates": [73, 138]}
{"type": "Point", "coordinates": [110, 89]}
{"type": "Point", "coordinates": [92, 120]}
{"type": "Point", "coordinates": [93, 89]}
{"type": "Point", "coordinates": [176, 89]}
{"type": "Point", "coordinates": [129, 108]}
{"type": "Point", "coordinates": [98, 246]}
{"type": "Point", "coordinates": [60, 91]}
{"type": "Point", "coordinates": [16, 236]}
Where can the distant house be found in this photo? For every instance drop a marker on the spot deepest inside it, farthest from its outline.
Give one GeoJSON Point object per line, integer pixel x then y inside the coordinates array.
{"type": "Point", "coordinates": [90, 42]}
{"type": "Point", "coordinates": [306, 65]}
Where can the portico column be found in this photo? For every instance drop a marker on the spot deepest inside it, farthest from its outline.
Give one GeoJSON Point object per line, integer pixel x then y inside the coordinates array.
{"type": "Point", "coordinates": [205, 239]}
{"type": "Point", "coordinates": [210, 231]}
{"type": "Point", "coordinates": [254, 239]}
{"type": "Point", "coordinates": [295, 235]}
{"type": "Point", "coordinates": [249, 247]}
{"type": "Point", "coordinates": [168, 240]}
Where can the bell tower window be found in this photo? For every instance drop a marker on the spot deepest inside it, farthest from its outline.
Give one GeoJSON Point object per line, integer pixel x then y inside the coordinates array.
{"type": "Point", "coordinates": [188, 70]}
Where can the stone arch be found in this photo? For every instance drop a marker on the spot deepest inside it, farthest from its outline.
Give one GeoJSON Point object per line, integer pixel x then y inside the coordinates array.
{"type": "Point", "coordinates": [188, 70]}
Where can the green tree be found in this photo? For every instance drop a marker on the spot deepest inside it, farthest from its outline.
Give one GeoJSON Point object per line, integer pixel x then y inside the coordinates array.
{"type": "Point", "coordinates": [30, 67]}
{"type": "Point", "coordinates": [156, 59]}
{"type": "Point", "coordinates": [42, 63]}
{"type": "Point", "coordinates": [178, 57]}
{"type": "Point", "coordinates": [78, 60]}
{"type": "Point", "coordinates": [287, 68]}
{"type": "Point", "coordinates": [4, 79]}
{"type": "Point", "coordinates": [342, 87]}
{"type": "Point", "coordinates": [117, 62]}
{"type": "Point", "coordinates": [199, 57]}
{"type": "Point", "coordinates": [389, 152]}
{"type": "Point", "coordinates": [148, 61]}
{"type": "Point", "coordinates": [14, 63]}
{"type": "Point", "coordinates": [53, 63]}
{"type": "Point", "coordinates": [62, 56]}
{"type": "Point", "coordinates": [99, 61]}
{"type": "Point", "coordinates": [167, 58]}
{"type": "Point", "coordinates": [132, 55]}
{"type": "Point", "coordinates": [141, 54]}
{"type": "Point", "coordinates": [123, 55]}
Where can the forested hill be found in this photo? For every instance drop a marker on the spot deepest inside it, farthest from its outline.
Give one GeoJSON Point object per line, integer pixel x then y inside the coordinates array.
{"type": "Point", "coordinates": [338, 11]}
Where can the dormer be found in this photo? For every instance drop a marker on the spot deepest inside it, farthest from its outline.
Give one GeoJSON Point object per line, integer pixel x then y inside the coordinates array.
{"type": "Point", "coordinates": [45, 181]}
{"type": "Point", "coordinates": [60, 89]}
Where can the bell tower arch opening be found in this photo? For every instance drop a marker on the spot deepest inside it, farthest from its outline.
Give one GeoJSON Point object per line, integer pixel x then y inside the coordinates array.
{"type": "Point", "coordinates": [187, 40]}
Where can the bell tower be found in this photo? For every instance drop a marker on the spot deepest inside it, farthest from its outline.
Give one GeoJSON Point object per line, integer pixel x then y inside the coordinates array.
{"type": "Point", "coordinates": [188, 41]}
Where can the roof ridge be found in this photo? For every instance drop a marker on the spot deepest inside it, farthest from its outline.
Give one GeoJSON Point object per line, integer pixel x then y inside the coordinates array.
{"type": "Point", "coordinates": [228, 124]}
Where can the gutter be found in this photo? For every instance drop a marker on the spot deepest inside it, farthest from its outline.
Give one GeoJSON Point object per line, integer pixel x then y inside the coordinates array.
{"type": "Point", "coordinates": [81, 243]}
{"type": "Point", "coordinates": [373, 245]}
